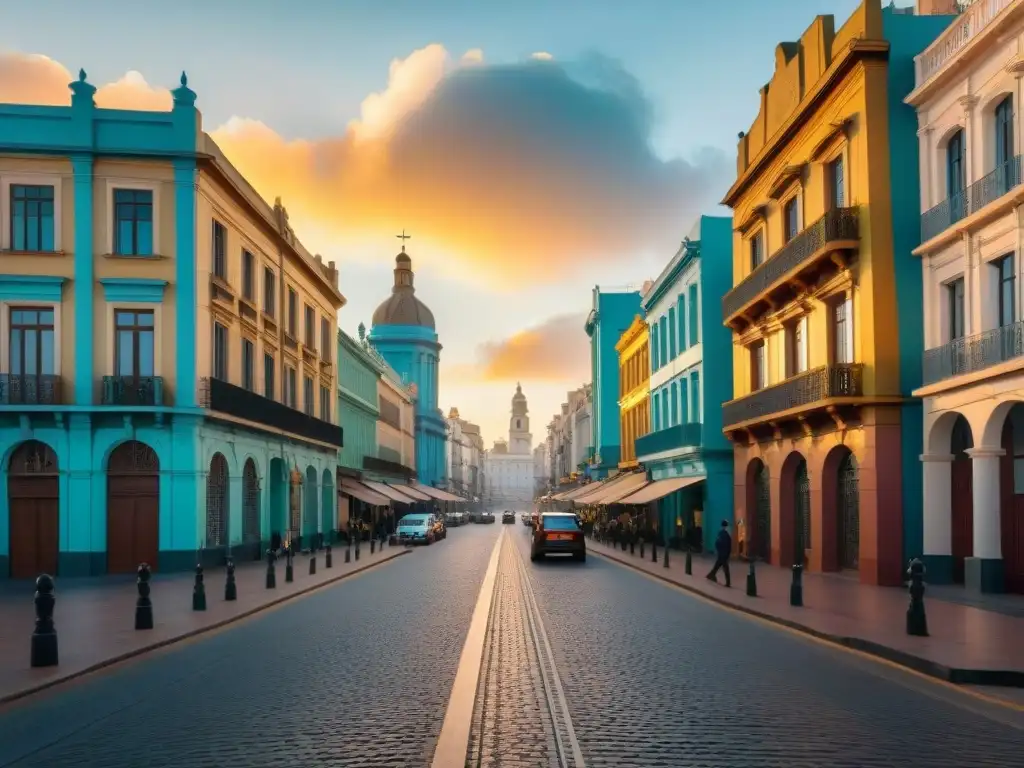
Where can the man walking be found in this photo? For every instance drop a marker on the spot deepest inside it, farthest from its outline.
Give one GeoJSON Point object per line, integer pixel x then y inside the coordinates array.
{"type": "Point", "coordinates": [723, 548]}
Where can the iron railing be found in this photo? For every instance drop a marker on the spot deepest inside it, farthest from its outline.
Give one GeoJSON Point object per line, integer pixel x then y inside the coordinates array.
{"type": "Point", "coordinates": [988, 188]}
{"type": "Point", "coordinates": [220, 396]}
{"type": "Point", "coordinates": [133, 390]}
{"type": "Point", "coordinates": [26, 389]}
{"type": "Point", "coordinates": [843, 380]}
{"type": "Point", "coordinates": [838, 224]}
{"type": "Point", "coordinates": [973, 353]}
{"type": "Point", "coordinates": [669, 439]}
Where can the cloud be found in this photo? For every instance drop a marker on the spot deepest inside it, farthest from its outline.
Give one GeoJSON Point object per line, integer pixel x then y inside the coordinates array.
{"type": "Point", "coordinates": [555, 350]}
{"type": "Point", "coordinates": [512, 173]}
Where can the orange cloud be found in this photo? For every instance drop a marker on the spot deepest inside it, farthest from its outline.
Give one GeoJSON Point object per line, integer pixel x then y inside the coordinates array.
{"type": "Point", "coordinates": [556, 350]}
{"type": "Point", "coordinates": [519, 173]}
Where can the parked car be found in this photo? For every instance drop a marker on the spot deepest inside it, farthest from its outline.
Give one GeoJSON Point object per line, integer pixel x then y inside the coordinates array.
{"type": "Point", "coordinates": [416, 529]}
{"type": "Point", "coordinates": [487, 517]}
{"type": "Point", "coordinates": [508, 516]}
{"type": "Point", "coordinates": [440, 529]}
{"type": "Point", "coordinates": [526, 518]}
{"type": "Point", "coordinates": [558, 534]}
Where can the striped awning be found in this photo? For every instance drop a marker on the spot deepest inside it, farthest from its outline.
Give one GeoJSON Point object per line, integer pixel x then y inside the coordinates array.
{"type": "Point", "coordinates": [437, 493]}
{"type": "Point", "coordinates": [597, 489]}
{"type": "Point", "coordinates": [386, 490]}
{"type": "Point", "coordinates": [359, 491]}
{"type": "Point", "coordinates": [659, 489]}
{"type": "Point", "coordinates": [630, 484]}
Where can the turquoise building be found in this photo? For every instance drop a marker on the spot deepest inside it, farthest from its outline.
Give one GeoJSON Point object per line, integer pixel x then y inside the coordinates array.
{"type": "Point", "coordinates": [686, 453]}
{"type": "Point", "coordinates": [404, 334]}
{"type": "Point", "coordinates": [611, 314]}
{"type": "Point", "coordinates": [358, 408]}
{"type": "Point", "coordinates": [167, 392]}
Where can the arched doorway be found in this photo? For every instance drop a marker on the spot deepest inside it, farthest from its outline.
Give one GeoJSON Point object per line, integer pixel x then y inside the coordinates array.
{"type": "Point", "coordinates": [962, 497]}
{"type": "Point", "coordinates": [309, 507]}
{"type": "Point", "coordinates": [848, 512]}
{"type": "Point", "coordinates": [328, 523]}
{"type": "Point", "coordinates": [133, 507]}
{"type": "Point", "coordinates": [761, 546]}
{"type": "Point", "coordinates": [795, 510]}
{"type": "Point", "coordinates": [33, 501]}
{"type": "Point", "coordinates": [217, 503]}
{"type": "Point", "coordinates": [1011, 508]}
{"type": "Point", "coordinates": [251, 507]}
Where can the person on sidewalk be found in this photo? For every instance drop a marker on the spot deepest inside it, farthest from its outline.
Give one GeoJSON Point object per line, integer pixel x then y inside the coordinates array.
{"type": "Point", "coordinates": [723, 548]}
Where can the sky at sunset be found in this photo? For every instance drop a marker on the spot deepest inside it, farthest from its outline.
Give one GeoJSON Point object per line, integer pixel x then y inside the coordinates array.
{"type": "Point", "coordinates": [532, 149]}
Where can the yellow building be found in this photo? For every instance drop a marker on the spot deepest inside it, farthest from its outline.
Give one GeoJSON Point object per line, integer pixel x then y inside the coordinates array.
{"type": "Point", "coordinates": [634, 388]}
{"type": "Point", "coordinates": [825, 445]}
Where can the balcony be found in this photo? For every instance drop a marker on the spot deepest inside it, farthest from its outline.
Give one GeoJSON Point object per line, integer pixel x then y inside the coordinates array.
{"type": "Point", "coordinates": [956, 37]}
{"type": "Point", "coordinates": [985, 190]}
{"type": "Point", "coordinates": [790, 266]}
{"type": "Point", "coordinates": [133, 391]}
{"type": "Point", "coordinates": [810, 388]}
{"type": "Point", "coordinates": [678, 438]}
{"type": "Point", "coordinates": [24, 389]}
{"type": "Point", "coordinates": [973, 353]}
{"type": "Point", "coordinates": [219, 396]}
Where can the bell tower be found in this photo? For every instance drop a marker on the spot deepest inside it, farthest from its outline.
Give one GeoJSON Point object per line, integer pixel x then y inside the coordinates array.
{"type": "Point", "coordinates": [520, 441]}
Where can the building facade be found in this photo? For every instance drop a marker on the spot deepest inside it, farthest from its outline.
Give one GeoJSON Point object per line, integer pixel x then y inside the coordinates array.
{"type": "Point", "coordinates": [569, 434]}
{"type": "Point", "coordinates": [634, 389]}
{"type": "Point", "coordinates": [358, 411]}
{"type": "Point", "coordinates": [509, 464]}
{"type": "Point", "coordinates": [168, 389]}
{"type": "Point", "coordinates": [403, 332]}
{"type": "Point", "coordinates": [686, 454]}
{"type": "Point", "coordinates": [826, 298]}
{"type": "Point", "coordinates": [967, 92]}
{"type": "Point", "coordinates": [541, 485]}
{"type": "Point", "coordinates": [612, 311]}
{"type": "Point", "coordinates": [397, 439]}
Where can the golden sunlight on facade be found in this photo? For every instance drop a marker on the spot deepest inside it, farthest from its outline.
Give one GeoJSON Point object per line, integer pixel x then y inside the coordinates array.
{"type": "Point", "coordinates": [396, 439]}
{"type": "Point", "coordinates": [634, 388]}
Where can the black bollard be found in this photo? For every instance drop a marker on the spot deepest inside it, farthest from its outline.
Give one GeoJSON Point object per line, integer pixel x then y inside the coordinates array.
{"type": "Point", "coordinates": [751, 579]}
{"type": "Point", "coordinates": [357, 551]}
{"type": "Point", "coordinates": [44, 638]}
{"type": "Point", "coordinates": [199, 591]}
{"type": "Point", "coordinates": [665, 563]}
{"type": "Point", "coordinates": [632, 547]}
{"type": "Point", "coordinates": [917, 621]}
{"type": "Point", "coordinates": [796, 589]}
{"type": "Point", "coordinates": [641, 549]}
{"type": "Point", "coordinates": [312, 563]}
{"type": "Point", "coordinates": [271, 571]}
{"type": "Point", "coordinates": [289, 572]}
{"type": "Point", "coordinates": [143, 605]}
{"type": "Point", "coordinates": [348, 554]}
{"type": "Point", "coordinates": [689, 562]}
{"type": "Point", "coordinates": [373, 545]}
{"type": "Point", "coordinates": [230, 589]}
{"type": "Point", "coordinates": [328, 558]}
{"type": "Point", "coordinates": [654, 551]}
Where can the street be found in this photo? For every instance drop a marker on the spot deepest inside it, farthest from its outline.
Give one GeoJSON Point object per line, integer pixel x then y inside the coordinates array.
{"type": "Point", "coordinates": [583, 665]}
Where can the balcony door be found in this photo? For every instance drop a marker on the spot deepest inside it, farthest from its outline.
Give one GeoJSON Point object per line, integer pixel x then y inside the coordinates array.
{"type": "Point", "coordinates": [956, 175]}
{"type": "Point", "coordinates": [1007, 172]}
{"type": "Point", "coordinates": [31, 357]}
{"type": "Point", "coordinates": [134, 341]}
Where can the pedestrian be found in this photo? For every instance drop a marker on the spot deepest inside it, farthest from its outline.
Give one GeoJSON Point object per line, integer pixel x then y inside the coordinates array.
{"type": "Point", "coordinates": [723, 548]}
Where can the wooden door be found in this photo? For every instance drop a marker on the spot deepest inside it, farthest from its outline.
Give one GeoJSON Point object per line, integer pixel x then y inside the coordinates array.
{"type": "Point", "coordinates": [33, 495]}
{"type": "Point", "coordinates": [133, 508]}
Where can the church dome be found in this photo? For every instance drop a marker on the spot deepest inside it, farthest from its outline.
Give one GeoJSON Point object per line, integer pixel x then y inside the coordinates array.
{"type": "Point", "coordinates": [402, 307]}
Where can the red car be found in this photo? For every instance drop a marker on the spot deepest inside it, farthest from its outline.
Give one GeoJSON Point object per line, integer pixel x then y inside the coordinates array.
{"type": "Point", "coordinates": [558, 533]}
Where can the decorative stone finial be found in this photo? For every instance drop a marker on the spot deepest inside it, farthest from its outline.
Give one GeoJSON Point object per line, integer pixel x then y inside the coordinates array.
{"type": "Point", "coordinates": [184, 79]}
{"type": "Point", "coordinates": [183, 95]}
{"type": "Point", "coordinates": [362, 332]}
{"type": "Point", "coordinates": [82, 91]}
{"type": "Point", "coordinates": [81, 75]}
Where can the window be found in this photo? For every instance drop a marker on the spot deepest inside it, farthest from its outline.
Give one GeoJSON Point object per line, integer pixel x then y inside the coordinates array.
{"type": "Point", "coordinates": [956, 166]}
{"type": "Point", "coordinates": [269, 292]}
{"type": "Point", "coordinates": [31, 342]}
{"type": "Point", "coordinates": [220, 250]}
{"type": "Point", "coordinates": [756, 253]}
{"type": "Point", "coordinates": [694, 316]}
{"type": "Point", "coordinates": [673, 404]}
{"type": "Point", "coordinates": [248, 275]}
{"type": "Point", "coordinates": [684, 405]}
{"type": "Point", "coordinates": [656, 358]}
{"type": "Point", "coordinates": [673, 350]}
{"type": "Point", "coordinates": [248, 365]}
{"type": "Point", "coordinates": [836, 183]}
{"type": "Point", "coordinates": [310, 340]}
{"type": "Point", "coordinates": [681, 314]}
{"type": "Point", "coordinates": [325, 403]}
{"type": "Point", "coordinates": [308, 404]}
{"type": "Point", "coordinates": [290, 386]}
{"type": "Point", "coordinates": [133, 343]}
{"type": "Point", "coordinates": [842, 333]}
{"type": "Point", "coordinates": [665, 412]}
{"type": "Point", "coordinates": [790, 222]}
{"type": "Point", "coordinates": [133, 222]}
{"type": "Point", "coordinates": [758, 367]}
{"type": "Point", "coordinates": [663, 340]}
{"type": "Point", "coordinates": [796, 347]}
{"type": "Point", "coordinates": [269, 376]}
{"type": "Point", "coordinates": [32, 225]}
{"type": "Point", "coordinates": [220, 352]}
{"type": "Point", "coordinates": [955, 296]}
{"type": "Point", "coordinates": [1005, 282]}
{"type": "Point", "coordinates": [293, 312]}
{"type": "Point", "coordinates": [695, 394]}
{"type": "Point", "coordinates": [1005, 178]}
{"type": "Point", "coordinates": [325, 339]}
{"type": "Point", "coordinates": [656, 407]}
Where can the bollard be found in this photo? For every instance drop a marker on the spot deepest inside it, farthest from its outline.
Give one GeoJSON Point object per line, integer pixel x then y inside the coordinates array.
{"type": "Point", "coordinates": [289, 571]}
{"type": "Point", "coordinates": [632, 547]}
{"type": "Point", "coordinates": [230, 589]}
{"type": "Point", "coordinates": [44, 638]}
{"type": "Point", "coordinates": [271, 571]}
{"type": "Point", "coordinates": [143, 605]}
{"type": "Point", "coordinates": [373, 545]}
{"type": "Point", "coordinates": [917, 621]}
{"type": "Point", "coordinates": [751, 579]}
{"type": "Point", "coordinates": [357, 551]}
{"type": "Point", "coordinates": [654, 551]}
{"type": "Point", "coordinates": [199, 591]}
{"type": "Point", "coordinates": [328, 558]}
{"type": "Point", "coordinates": [312, 563]}
{"type": "Point", "coordinates": [796, 589]}
{"type": "Point", "coordinates": [348, 554]}
{"type": "Point", "coordinates": [641, 549]}
{"type": "Point", "coordinates": [623, 545]}
{"type": "Point", "coordinates": [689, 562]}
{"type": "Point", "coordinates": [665, 547]}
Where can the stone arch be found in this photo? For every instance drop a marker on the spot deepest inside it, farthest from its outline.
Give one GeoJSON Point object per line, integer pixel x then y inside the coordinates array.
{"type": "Point", "coordinates": [133, 506]}
{"type": "Point", "coordinates": [758, 510]}
{"type": "Point", "coordinates": [33, 508]}
{"type": "Point", "coordinates": [310, 504]}
{"type": "Point", "coordinates": [940, 433]}
{"type": "Point", "coordinates": [218, 491]}
{"type": "Point", "coordinates": [992, 431]}
{"type": "Point", "coordinates": [328, 500]}
{"type": "Point", "coordinates": [840, 510]}
{"type": "Point", "coordinates": [945, 134]}
{"type": "Point", "coordinates": [794, 509]}
{"type": "Point", "coordinates": [251, 506]}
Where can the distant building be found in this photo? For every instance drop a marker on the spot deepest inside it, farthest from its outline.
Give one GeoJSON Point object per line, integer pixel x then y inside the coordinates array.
{"type": "Point", "coordinates": [509, 464]}
{"type": "Point", "coordinates": [634, 389]}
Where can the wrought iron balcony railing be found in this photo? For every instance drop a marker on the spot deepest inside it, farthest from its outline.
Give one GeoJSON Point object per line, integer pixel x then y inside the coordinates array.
{"type": "Point", "coordinates": [807, 388]}
{"type": "Point", "coordinates": [1006, 176]}
{"type": "Point", "coordinates": [26, 389]}
{"type": "Point", "coordinates": [220, 396]}
{"type": "Point", "coordinates": [839, 224]}
{"type": "Point", "coordinates": [973, 353]}
{"type": "Point", "coordinates": [133, 390]}
{"type": "Point", "coordinates": [675, 438]}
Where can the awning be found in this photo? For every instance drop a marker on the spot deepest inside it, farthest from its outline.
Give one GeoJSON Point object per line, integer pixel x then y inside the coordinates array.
{"type": "Point", "coordinates": [599, 488]}
{"type": "Point", "coordinates": [386, 490]}
{"type": "Point", "coordinates": [361, 492]}
{"type": "Point", "coordinates": [560, 496]}
{"type": "Point", "coordinates": [411, 492]}
{"type": "Point", "coordinates": [631, 484]}
{"type": "Point", "coordinates": [661, 488]}
{"type": "Point", "coordinates": [576, 493]}
{"type": "Point", "coordinates": [437, 493]}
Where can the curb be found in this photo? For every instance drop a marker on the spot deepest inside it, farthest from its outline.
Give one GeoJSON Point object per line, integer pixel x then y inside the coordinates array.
{"type": "Point", "coordinates": [25, 692]}
{"type": "Point", "coordinates": [1009, 678]}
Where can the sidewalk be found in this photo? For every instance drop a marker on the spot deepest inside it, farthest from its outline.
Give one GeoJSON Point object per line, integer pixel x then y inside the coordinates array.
{"type": "Point", "coordinates": [968, 645]}
{"type": "Point", "coordinates": [95, 617]}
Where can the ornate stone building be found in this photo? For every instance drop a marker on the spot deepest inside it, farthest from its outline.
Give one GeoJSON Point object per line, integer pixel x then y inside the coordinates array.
{"type": "Point", "coordinates": [509, 464]}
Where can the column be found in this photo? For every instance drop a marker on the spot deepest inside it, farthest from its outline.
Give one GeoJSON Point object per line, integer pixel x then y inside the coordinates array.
{"type": "Point", "coordinates": [984, 571]}
{"type": "Point", "coordinates": [926, 155]}
{"type": "Point", "coordinates": [82, 551]}
{"type": "Point", "coordinates": [938, 517]}
{"type": "Point", "coordinates": [968, 102]}
{"type": "Point", "coordinates": [84, 283]}
{"type": "Point", "coordinates": [185, 383]}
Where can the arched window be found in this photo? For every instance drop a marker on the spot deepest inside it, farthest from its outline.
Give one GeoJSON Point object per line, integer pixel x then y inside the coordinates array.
{"type": "Point", "coordinates": [956, 170]}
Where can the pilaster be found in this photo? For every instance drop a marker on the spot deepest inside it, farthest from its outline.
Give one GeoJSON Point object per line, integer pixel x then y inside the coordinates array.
{"type": "Point", "coordinates": [938, 514]}
{"type": "Point", "coordinates": [984, 571]}
{"type": "Point", "coordinates": [85, 385]}
{"type": "Point", "coordinates": [185, 383]}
